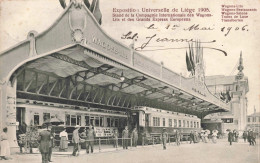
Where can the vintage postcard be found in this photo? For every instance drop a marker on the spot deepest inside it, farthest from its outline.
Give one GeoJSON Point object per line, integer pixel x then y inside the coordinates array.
{"type": "Point", "coordinates": [129, 81]}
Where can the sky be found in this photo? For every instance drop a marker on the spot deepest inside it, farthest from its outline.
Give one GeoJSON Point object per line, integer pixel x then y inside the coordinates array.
{"type": "Point", "coordinates": [17, 18]}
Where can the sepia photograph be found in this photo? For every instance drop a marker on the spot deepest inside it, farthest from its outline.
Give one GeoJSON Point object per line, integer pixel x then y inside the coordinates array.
{"type": "Point", "coordinates": [141, 81]}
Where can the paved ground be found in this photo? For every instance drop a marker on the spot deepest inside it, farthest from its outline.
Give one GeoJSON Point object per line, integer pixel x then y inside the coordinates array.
{"type": "Point", "coordinates": [221, 152]}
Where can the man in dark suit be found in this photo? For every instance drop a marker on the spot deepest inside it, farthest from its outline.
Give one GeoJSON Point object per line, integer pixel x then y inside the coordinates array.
{"type": "Point", "coordinates": [51, 142]}
{"type": "Point", "coordinates": [44, 141]}
{"type": "Point", "coordinates": [230, 137]}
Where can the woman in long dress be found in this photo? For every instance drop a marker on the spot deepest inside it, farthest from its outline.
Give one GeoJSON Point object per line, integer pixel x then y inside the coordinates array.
{"type": "Point", "coordinates": [5, 148]}
{"type": "Point", "coordinates": [64, 140]}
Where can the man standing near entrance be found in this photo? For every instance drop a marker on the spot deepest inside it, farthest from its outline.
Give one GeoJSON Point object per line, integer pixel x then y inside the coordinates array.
{"type": "Point", "coordinates": [44, 141]}
{"type": "Point", "coordinates": [125, 135]}
{"type": "Point", "coordinates": [75, 140]}
{"type": "Point", "coordinates": [90, 139]}
{"type": "Point", "coordinates": [134, 137]}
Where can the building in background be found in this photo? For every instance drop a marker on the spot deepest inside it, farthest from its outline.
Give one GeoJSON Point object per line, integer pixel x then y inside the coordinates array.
{"type": "Point", "coordinates": [253, 121]}
{"type": "Point", "coordinates": [232, 90]}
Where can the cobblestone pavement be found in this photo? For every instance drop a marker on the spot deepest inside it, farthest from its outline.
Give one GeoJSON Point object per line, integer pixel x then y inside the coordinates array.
{"type": "Point", "coordinates": [221, 152]}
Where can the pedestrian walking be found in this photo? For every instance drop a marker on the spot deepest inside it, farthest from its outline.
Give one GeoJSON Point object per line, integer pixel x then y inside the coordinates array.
{"type": "Point", "coordinates": [245, 136]}
{"type": "Point", "coordinates": [125, 137]}
{"type": "Point", "coordinates": [4, 145]}
{"type": "Point", "coordinates": [134, 137]}
{"type": "Point", "coordinates": [75, 140]}
{"type": "Point", "coordinates": [64, 140]}
{"type": "Point", "coordinates": [230, 137]}
{"type": "Point", "coordinates": [115, 136]}
{"type": "Point", "coordinates": [44, 143]}
{"type": "Point", "coordinates": [90, 139]}
{"type": "Point", "coordinates": [164, 138]}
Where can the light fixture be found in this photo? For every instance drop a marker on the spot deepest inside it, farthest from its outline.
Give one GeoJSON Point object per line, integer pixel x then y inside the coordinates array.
{"type": "Point", "coordinates": [122, 78]}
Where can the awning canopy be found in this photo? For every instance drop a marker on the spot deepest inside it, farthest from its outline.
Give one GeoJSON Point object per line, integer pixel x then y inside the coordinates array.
{"type": "Point", "coordinates": [76, 60]}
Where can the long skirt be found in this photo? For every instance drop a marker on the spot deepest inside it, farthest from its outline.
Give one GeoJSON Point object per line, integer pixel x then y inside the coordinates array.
{"type": "Point", "coordinates": [214, 139]}
{"type": "Point", "coordinates": [63, 143]}
{"type": "Point", "coordinates": [5, 148]}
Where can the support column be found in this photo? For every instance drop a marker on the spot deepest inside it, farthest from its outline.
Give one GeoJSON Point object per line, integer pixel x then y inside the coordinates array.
{"type": "Point", "coordinates": [8, 112]}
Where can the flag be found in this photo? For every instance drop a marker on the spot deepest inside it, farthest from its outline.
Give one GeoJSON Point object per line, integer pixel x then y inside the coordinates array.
{"type": "Point", "coordinates": [228, 96]}
{"type": "Point", "coordinates": [62, 3]}
{"type": "Point", "coordinates": [189, 68]}
{"type": "Point", "coordinates": [191, 57]}
{"type": "Point", "coordinates": [86, 2]}
{"type": "Point", "coordinates": [94, 8]}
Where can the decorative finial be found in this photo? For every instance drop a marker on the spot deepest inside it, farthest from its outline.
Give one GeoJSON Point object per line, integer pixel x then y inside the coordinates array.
{"type": "Point", "coordinates": [240, 68]}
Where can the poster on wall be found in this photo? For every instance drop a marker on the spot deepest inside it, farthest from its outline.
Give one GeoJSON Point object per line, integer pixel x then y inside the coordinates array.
{"type": "Point", "coordinates": [197, 58]}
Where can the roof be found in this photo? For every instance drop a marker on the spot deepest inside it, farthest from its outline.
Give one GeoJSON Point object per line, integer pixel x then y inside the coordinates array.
{"type": "Point", "coordinates": [76, 55]}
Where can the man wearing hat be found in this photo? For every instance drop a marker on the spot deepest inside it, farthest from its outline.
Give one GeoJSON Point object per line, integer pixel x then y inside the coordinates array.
{"type": "Point", "coordinates": [44, 143]}
{"type": "Point", "coordinates": [164, 138]}
{"type": "Point", "coordinates": [75, 140]}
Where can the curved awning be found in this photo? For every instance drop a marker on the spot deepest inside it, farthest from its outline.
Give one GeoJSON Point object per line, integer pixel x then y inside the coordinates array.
{"type": "Point", "coordinates": [80, 58]}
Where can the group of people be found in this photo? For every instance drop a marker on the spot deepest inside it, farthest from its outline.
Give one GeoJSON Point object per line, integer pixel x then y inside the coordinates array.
{"type": "Point", "coordinates": [249, 136]}
{"type": "Point", "coordinates": [87, 137]}
{"type": "Point", "coordinates": [194, 137]}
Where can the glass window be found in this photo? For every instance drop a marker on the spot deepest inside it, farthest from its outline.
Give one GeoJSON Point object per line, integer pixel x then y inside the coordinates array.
{"type": "Point", "coordinates": [184, 124]}
{"type": "Point", "coordinates": [46, 116]}
{"type": "Point", "coordinates": [248, 119]}
{"type": "Point", "coordinates": [73, 120]}
{"type": "Point", "coordinates": [179, 123]}
{"type": "Point", "coordinates": [86, 120]}
{"type": "Point", "coordinates": [112, 122]}
{"type": "Point", "coordinates": [191, 124]}
{"type": "Point", "coordinates": [170, 122]}
{"type": "Point", "coordinates": [198, 125]}
{"type": "Point", "coordinates": [254, 119]}
{"type": "Point", "coordinates": [68, 119]}
{"type": "Point", "coordinates": [194, 124]}
{"type": "Point", "coordinates": [227, 120]}
{"type": "Point", "coordinates": [188, 124]}
{"type": "Point", "coordinates": [159, 123]}
{"type": "Point", "coordinates": [163, 122]}
{"type": "Point", "coordinates": [154, 121]}
{"type": "Point", "coordinates": [92, 121]}
{"type": "Point", "coordinates": [175, 122]}
{"type": "Point", "coordinates": [108, 122]}
{"type": "Point", "coordinates": [101, 121]}
{"type": "Point", "coordinates": [97, 121]}
{"type": "Point", "coordinates": [116, 122]}
{"type": "Point", "coordinates": [78, 120]}
{"type": "Point", "coordinates": [36, 119]}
